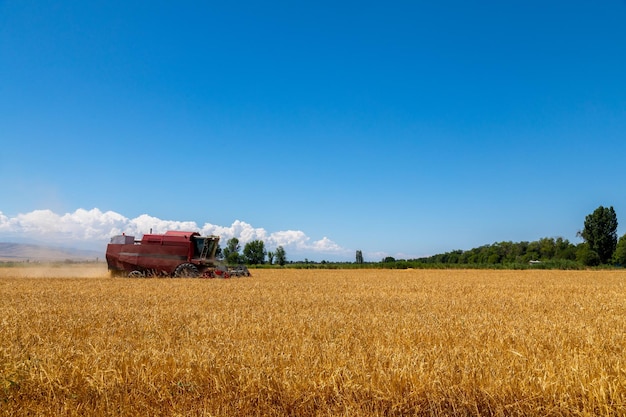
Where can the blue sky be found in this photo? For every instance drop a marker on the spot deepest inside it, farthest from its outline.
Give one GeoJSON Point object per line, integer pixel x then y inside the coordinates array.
{"type": "Point", "coordinates": [401, 128]}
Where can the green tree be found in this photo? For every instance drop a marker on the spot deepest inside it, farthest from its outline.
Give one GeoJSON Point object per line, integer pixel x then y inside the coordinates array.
{"type": "Point", "coordinates": [254, 252]}
{"type": "Point", "coordinates": [586, 255]}
{"type": "Point", "coordinates": [564, 249]}
{"type": "Point", "coordinates": [281, 257]}
{"type": "Point", "coordinates": [619, 257]}
{"type": "Point", "coordinates": [533, 251]}
{"type": "Point", "coordinates": [359, 257]}
{"type": "Point", "coordinates": [547, 248]}
{"type": "Point", "coordinates": [231, 252]}
{"type": "Point", "coordinates": [270, 257]}
{"type": "Point", "coordinates": [600, 232]}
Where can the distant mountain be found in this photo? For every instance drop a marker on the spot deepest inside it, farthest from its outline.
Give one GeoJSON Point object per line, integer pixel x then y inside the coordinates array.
{"type": "Point", "coordinates": [10, 251]}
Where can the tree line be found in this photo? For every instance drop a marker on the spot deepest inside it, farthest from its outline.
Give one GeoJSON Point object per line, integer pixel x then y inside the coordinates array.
{"type": "Point", "coordinates": [254, 253]}
{"type": "Point", "coordinates": [600, 246]}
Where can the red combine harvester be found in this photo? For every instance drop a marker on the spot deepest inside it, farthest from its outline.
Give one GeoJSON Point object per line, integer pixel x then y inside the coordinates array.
{"type": "Point", "coordinates": [173, 254]}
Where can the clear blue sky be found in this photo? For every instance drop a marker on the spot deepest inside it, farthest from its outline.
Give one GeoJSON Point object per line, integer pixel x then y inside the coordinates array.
{"type": "Point", "coordinates": [401, 128]}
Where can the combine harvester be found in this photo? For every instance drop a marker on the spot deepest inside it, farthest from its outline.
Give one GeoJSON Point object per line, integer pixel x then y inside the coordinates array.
{"type": "Point", "coordinates": [173, 254]}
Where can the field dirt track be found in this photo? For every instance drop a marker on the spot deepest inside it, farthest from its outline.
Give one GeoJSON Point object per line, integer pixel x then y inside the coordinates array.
{"type": "Point", "coordinates": [74, 341]}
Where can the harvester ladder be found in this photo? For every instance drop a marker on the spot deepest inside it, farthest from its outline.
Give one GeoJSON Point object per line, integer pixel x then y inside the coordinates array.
{"type": "Point", "coordinates": [205, 250]}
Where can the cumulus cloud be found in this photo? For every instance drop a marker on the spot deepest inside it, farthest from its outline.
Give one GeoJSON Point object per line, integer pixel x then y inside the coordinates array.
{"type": "Point", "coordinates": [80, 225]}
{"type": "Point", "coordinates": [94, 228]}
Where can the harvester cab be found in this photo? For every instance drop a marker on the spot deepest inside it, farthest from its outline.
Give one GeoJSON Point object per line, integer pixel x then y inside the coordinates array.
{"type": "Point", "coordinates": [205, 248]}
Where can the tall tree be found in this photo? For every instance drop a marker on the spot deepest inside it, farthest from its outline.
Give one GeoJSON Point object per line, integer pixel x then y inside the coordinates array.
{"type": "Point", "coordinates": [359, 257]}
{"type": "Point", "coordinates": [600, 232]}
{"type": "Point", "coordinates": [231, 251]}
{"type": "Point", "coordinates": [254, 252]}
{"type": "Point", "coordinates": [281, 257]}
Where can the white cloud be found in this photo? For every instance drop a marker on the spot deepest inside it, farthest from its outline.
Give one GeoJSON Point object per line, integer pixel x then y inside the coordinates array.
{"type": "Point", "coordinates": [145, 223]}
{"type": "Point", "coordinates": [285, 238]}
{"type": "Point", "coordinates": [81, 225]}
{"type": "Point", "coordinates": [326, 245]}
{"type": "Point", "coordinates": [94, 228]}
{"type": "Point", "coordinates": [241, 230]}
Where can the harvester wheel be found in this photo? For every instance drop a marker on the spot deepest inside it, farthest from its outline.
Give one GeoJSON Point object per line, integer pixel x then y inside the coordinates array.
{"type": "Point", "coordinates": [135, 274]}
{"type": "Point", "coordinates": [186, 270]}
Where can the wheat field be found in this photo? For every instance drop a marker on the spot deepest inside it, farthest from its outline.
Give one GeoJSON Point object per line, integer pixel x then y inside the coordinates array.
{"type": "Point", "coordinates": [74, 341]}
